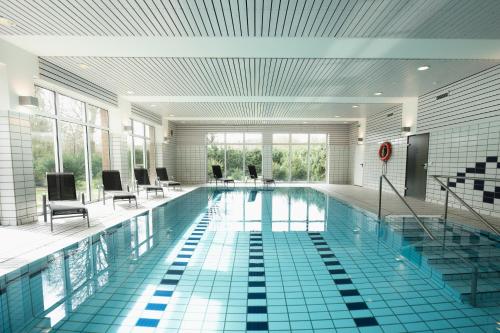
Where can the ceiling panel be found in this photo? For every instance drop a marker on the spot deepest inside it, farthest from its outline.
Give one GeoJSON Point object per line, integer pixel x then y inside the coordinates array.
{"type": "Point", "coordinates": [277, 110]}
{"type": "Point", "coordinates": [259, 18]}
{"type": "Point", "coordinates": [269, 76]}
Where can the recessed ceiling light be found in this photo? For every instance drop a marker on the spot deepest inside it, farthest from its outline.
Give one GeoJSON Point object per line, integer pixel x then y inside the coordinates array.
{"type": "Point", "coordinates": [7, 22]}
{"type": "Point", "coordinates": [171, 115]}
{"type": "Point", "coordinates": [423, 68]}
{"type": "Point", "coordinates": [378, 93]}
{"type": "Point", "coordinates": [130, 92]}
{"type": "Point", "coordinates": [355, 106]}
{"type": "Point", "coordinates": [153, 105]}
{"type": "Point", "coordinates": [83, 66]}
{"type": "Point", "coordinates": [345, 122]}
{"type": "Point", "coordinates": [337, 116]}
{"type": "Point", "coordinates": [304, 122]}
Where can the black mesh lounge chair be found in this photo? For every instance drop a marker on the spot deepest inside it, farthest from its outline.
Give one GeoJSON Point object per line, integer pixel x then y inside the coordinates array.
{"type": "Point", "coordinates": [253, 175]}
{"type": "Point", "coordinates": [217, 172]}
{"type": "Point", "coordinates": [112, 185]}
{"type": "Point", "coordinates": [162, 176]}
{"type": "Point", "coordinates": [61, 192]}
{"type": "Point", "coordinates": [142, 182]}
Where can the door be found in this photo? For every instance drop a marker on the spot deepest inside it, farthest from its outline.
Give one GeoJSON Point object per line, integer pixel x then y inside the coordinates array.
{"type": "Point", "coordinates": [359, 153]}
{"type": "Point", "coordinates": [416, 165]}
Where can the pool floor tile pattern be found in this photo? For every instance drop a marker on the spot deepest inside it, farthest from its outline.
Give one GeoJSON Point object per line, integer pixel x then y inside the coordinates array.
{"type": "Point", "coordinates": [234, 281]}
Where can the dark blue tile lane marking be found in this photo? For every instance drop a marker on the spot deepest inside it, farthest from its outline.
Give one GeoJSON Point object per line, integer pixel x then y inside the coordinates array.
{"type": "Point", "coordinates": [257, 326]}
{"type": "Point", "coordinates": [163, 293]}
{"type": "Point", "coordinates": [156, 307]}
{"type": "Point", "coordinates": [169, 282]}
{"type": "Point", "coordinates": [335, 268]}
{"type": "Point", "coordinates": [356, 306]}
{"type": "Point", "coordinates": [257, 309]}
{"type": "Point", "coordinates": [256, 270]}
{"type": "Point", "coordinates": [179, 263]}
{"type": "Point", "coordinates": [349, 292]}
{"type": "Point", "coordinates": [145, 322]}
{"type": "Point", "coordinates": [175, 271]}
{"type": "Point", "coordinates": [365, 321]}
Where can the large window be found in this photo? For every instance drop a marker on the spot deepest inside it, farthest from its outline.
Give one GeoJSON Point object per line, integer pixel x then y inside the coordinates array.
{"type": "Point", "coordinates": [69, 135]}
{"type": "Point", "coordinates": [234, 152]}
{"type": "Point", "coordinates": [299, 157]}
{"type": "Point", "coordinates": [143, 142]}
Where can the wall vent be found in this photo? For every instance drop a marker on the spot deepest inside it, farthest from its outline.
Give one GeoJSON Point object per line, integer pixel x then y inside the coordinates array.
{"type": "Point", "coordinates": [442, 96]}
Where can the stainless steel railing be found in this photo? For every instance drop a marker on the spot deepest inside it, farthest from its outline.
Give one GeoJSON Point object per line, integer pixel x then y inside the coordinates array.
{"type": "Point", "coordinates": [469, 208]}
{"type": "Point", "coordinates": [419, 221]}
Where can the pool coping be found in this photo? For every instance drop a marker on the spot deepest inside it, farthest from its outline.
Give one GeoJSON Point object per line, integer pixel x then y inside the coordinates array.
{"type": "Point", "coordinates": [48, 248]}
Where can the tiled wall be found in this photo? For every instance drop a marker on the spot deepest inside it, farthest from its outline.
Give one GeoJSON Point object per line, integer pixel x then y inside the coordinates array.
{"type": "Point", "coordinates": [385, 126]}
{"type": "Point", "coordinates": [191, 149]}
{"type": "Point", "coordinates": [17, 184]}
{"type": "Point", "coordinates": [339, 164]}
{"type": "Point", "coordinates": [464, 130]}
{"type": "Point", "coordinates": [191, 164]}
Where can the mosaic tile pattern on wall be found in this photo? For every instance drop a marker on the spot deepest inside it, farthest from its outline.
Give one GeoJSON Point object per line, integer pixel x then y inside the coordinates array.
{"type": "Point", "coordinates": [471, 150]}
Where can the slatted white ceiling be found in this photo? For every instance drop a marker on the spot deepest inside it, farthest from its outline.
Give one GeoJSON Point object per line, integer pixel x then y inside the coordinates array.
{"type": "Point", "coordinates": [269, 76]}
{"type": "Point", "coordinates": [283, 18]}
{"type": "Point", "coordinates": [267, 110]}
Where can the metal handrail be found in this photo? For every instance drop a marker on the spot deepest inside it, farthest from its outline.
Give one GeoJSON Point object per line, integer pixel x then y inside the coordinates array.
{"type": "Point", "coordinates": [419, 221]}
{"type": "Point", "coordinates": [469, 208]}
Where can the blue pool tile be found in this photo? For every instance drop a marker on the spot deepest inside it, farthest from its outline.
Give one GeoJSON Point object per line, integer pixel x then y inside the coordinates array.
{"type": "Point", "coordinates": [145, 322]}
{"type": "Point", "coordinates": [163, 293]}
{"type": "Point", "coordinates": [349, 292]}
{"type": "Point", "coordinates": [169, 281]}
{"type": "Point", "coordinates": [184, 256]}
{"type": "Point", "coordinates": [156, 307]}
{"type": "Point", "coordinates": [179, 263]}
{"type": "Point", "coordinates": [365, 321]}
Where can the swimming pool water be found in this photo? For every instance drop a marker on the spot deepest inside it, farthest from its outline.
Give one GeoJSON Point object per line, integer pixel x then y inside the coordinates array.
{"type": "Point", "coordinates": [278, 260]}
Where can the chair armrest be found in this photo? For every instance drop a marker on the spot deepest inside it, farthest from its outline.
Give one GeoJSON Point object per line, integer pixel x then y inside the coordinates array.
{"type": "Point", "coordinates": [83, 198]}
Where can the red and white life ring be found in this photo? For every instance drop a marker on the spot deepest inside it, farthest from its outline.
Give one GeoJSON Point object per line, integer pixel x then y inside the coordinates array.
{"type": "Point", "coordinates": [385, 151]}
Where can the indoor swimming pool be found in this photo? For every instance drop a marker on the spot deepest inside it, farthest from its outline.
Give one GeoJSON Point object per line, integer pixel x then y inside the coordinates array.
{"type": "Point", "coordinates": [243, 259]}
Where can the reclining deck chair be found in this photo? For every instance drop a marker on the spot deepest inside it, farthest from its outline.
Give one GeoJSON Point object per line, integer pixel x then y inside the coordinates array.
{"type": "Point", "coordinates": [253, 175]}
{"type": "Point", "coordinates": [61, 192]}
{"type": "Point", "coordinates": [112, 185]}
{"type": "Point", "coordinates": [142, 182]}
{"type": "Point", "coordinates": [217, 172]}
{"type": "Point", "coordinates": [163, 180]}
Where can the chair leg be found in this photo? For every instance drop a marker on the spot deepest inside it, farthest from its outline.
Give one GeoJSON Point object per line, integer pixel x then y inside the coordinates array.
{"type": "Point", "coordinates": [104, 198]}
{"type": "Point", "coordinates": [44, 203]}
{"type": "Point", "coordinates": [135, 203]}
{"type": "Point", "coordinates": [88, 219]}
{"type": "Point", "coordinates": [51, 223]}
{"type": "Point", "coordinates": [113, 203]}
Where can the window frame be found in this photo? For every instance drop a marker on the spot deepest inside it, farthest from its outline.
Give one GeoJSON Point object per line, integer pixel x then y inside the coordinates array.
{"type": "Point", "coordinates": [292, 144]}
{"type": "Point", "coordinates": [225, 144]}
{"type": "Point", "coordinates": [57, 118]}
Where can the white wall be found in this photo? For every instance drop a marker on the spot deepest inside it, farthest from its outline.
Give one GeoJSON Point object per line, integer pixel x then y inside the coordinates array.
{"type": "Point", "coordinates": [385, 126]}
{"type": "Point", "coordinates": [464, 130]}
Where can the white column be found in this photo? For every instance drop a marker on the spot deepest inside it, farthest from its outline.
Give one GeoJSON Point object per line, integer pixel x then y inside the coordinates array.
{"type": "Point", "coordinates": [17, 185]}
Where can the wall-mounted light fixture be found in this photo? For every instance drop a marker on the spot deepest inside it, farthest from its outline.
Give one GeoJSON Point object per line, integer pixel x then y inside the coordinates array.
{"type": "Point", "coordinates": [360, 141]}
{"type": "Point", "coordinates": [29, 101]}
{"type": "Point", "coordinates": [406, 129]}
{"type": "Point", "coordinates": [127, 128]}
{"type": "Point", "coordinates": [166, 140]}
